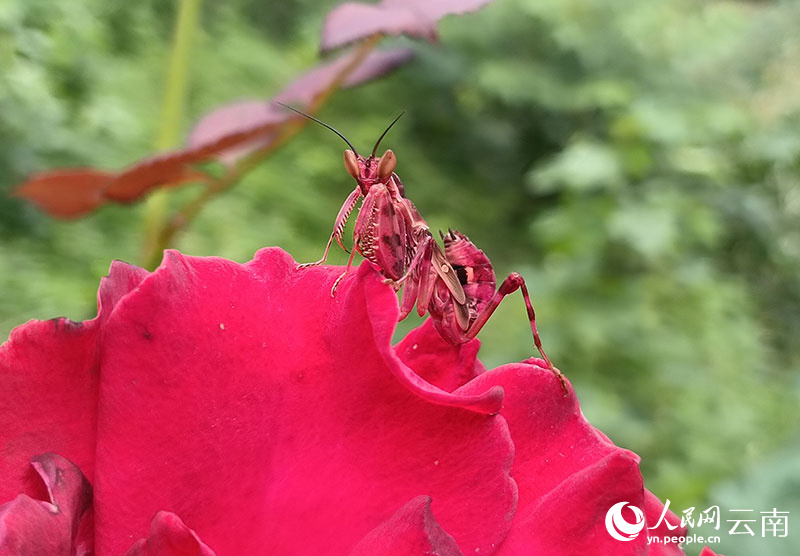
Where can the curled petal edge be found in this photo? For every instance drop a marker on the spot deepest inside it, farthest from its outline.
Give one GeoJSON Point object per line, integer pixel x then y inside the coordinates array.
{"type": "Point", "coordinates": [383, 324]}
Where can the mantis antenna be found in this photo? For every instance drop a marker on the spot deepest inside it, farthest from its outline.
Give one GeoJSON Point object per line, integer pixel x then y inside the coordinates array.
{"type": "Point", "coordinates": [375, 148]}
{"type": "Point", "coordinates": [320, 122]}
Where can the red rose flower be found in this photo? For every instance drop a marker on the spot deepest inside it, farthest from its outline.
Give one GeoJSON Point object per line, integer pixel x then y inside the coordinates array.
{"type": "Point", "coordinates": [219, 408]}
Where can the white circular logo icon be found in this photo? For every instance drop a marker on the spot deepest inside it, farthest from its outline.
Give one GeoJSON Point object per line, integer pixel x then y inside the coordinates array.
{"type": "Point", "coordinates": [618, 527]}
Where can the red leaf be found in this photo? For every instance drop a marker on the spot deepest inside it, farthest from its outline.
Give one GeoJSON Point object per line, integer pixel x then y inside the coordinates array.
{"type": "Point", "coordinates": [227, 134]}
{"type": "Point", "coordinates": [66, 193]}
{"type": "Point", "coordinates": [377, 64]}
{"type": "Point", "coordinates": [237, 118]}
{"type": "Point", "coordinates": [167, 169]}
{"type": "Point", "coordinates": [71, 193]}
{"type": "Point", "coordinates": [437, 9]}
{"type": "Point", "coordinates": [353, 21]}
{"type": "Point", "coordinates": [260, 119]}
{"type": "Point", "coordinates": [305, 89]}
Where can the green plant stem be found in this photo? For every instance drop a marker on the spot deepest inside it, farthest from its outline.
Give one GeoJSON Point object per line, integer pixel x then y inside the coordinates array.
{"type": "Point", "coordinates": [188, 212]}
{"type": "Point", "coordinates": [169, 131]}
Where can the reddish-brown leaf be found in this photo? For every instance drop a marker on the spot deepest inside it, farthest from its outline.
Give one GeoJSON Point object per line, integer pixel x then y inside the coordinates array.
{"type": "Point", "coordinates": [305, 89]}
{"type": "Point", "coordinates": [377, 64]}
{"type": "Point", "coordinates": [437, 9]}
{"type": "Point", "coordinates": [236, 118]}
{"type": "Point", "coordinates": [169, 169]}
{"type": "Point", "coordinates": [258, 119]}
{"type": "Point", "coordinates": [66, 193]}
{"type": "Point", "coordinates": [71, 193]}
{"type": "Point", "coordinates": [353, 21]}
{"type": "Point", "coordinates": [227, 134]}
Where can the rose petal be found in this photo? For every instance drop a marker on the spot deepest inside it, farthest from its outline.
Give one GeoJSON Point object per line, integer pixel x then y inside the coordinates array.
{"type": "Point", "coordinates": [438, 362]}
{"type": "Point", "coordinates": [383, 321]}
{"type": "Point", "coordinates": [122, 279]}
{"type": "Point", "coordinates": [568, 473]}
{"type": "Point", "coordinates": [31, 527]}
{"type": "Point", "coordinates": [169, 536]}
{"type": "Point", "coordinates": [48, 384]}
{"type": "Point", "coordinates": [568, 476]}
{"type": "Point", "coordinates": [652, 511]}
{"type": "Point", "coordinates": [411, 531]}
{"type": "Point", "coordinates": [245, 398]}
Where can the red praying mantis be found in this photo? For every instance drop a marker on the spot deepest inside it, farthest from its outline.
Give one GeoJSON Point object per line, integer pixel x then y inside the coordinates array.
{"type": "Point", "coordinates": [457, 286]}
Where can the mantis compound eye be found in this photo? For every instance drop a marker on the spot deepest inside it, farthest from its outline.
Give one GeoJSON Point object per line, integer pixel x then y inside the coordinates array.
{"type": "Point", "coordinates": [387, 164]}
{"type": "Point", "coordinates": [351, 163]}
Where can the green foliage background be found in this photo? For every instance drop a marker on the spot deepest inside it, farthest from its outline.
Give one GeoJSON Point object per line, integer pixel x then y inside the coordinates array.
{"type": "Point", "coordinates": [637, 162]}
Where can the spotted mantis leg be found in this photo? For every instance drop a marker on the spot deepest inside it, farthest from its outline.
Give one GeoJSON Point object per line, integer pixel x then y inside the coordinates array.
{"type": "Point", "coordinates": [338, 227]}
{"type": "Point", "coordinates": [511, 284]}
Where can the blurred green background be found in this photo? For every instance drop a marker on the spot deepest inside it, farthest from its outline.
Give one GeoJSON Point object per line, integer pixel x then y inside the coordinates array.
{"type": "Point", "coordinates": [637, 162]}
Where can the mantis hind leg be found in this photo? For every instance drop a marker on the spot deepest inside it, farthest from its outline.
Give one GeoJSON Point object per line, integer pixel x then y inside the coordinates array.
{"type": "Point", "coordinates": [511, 284]}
